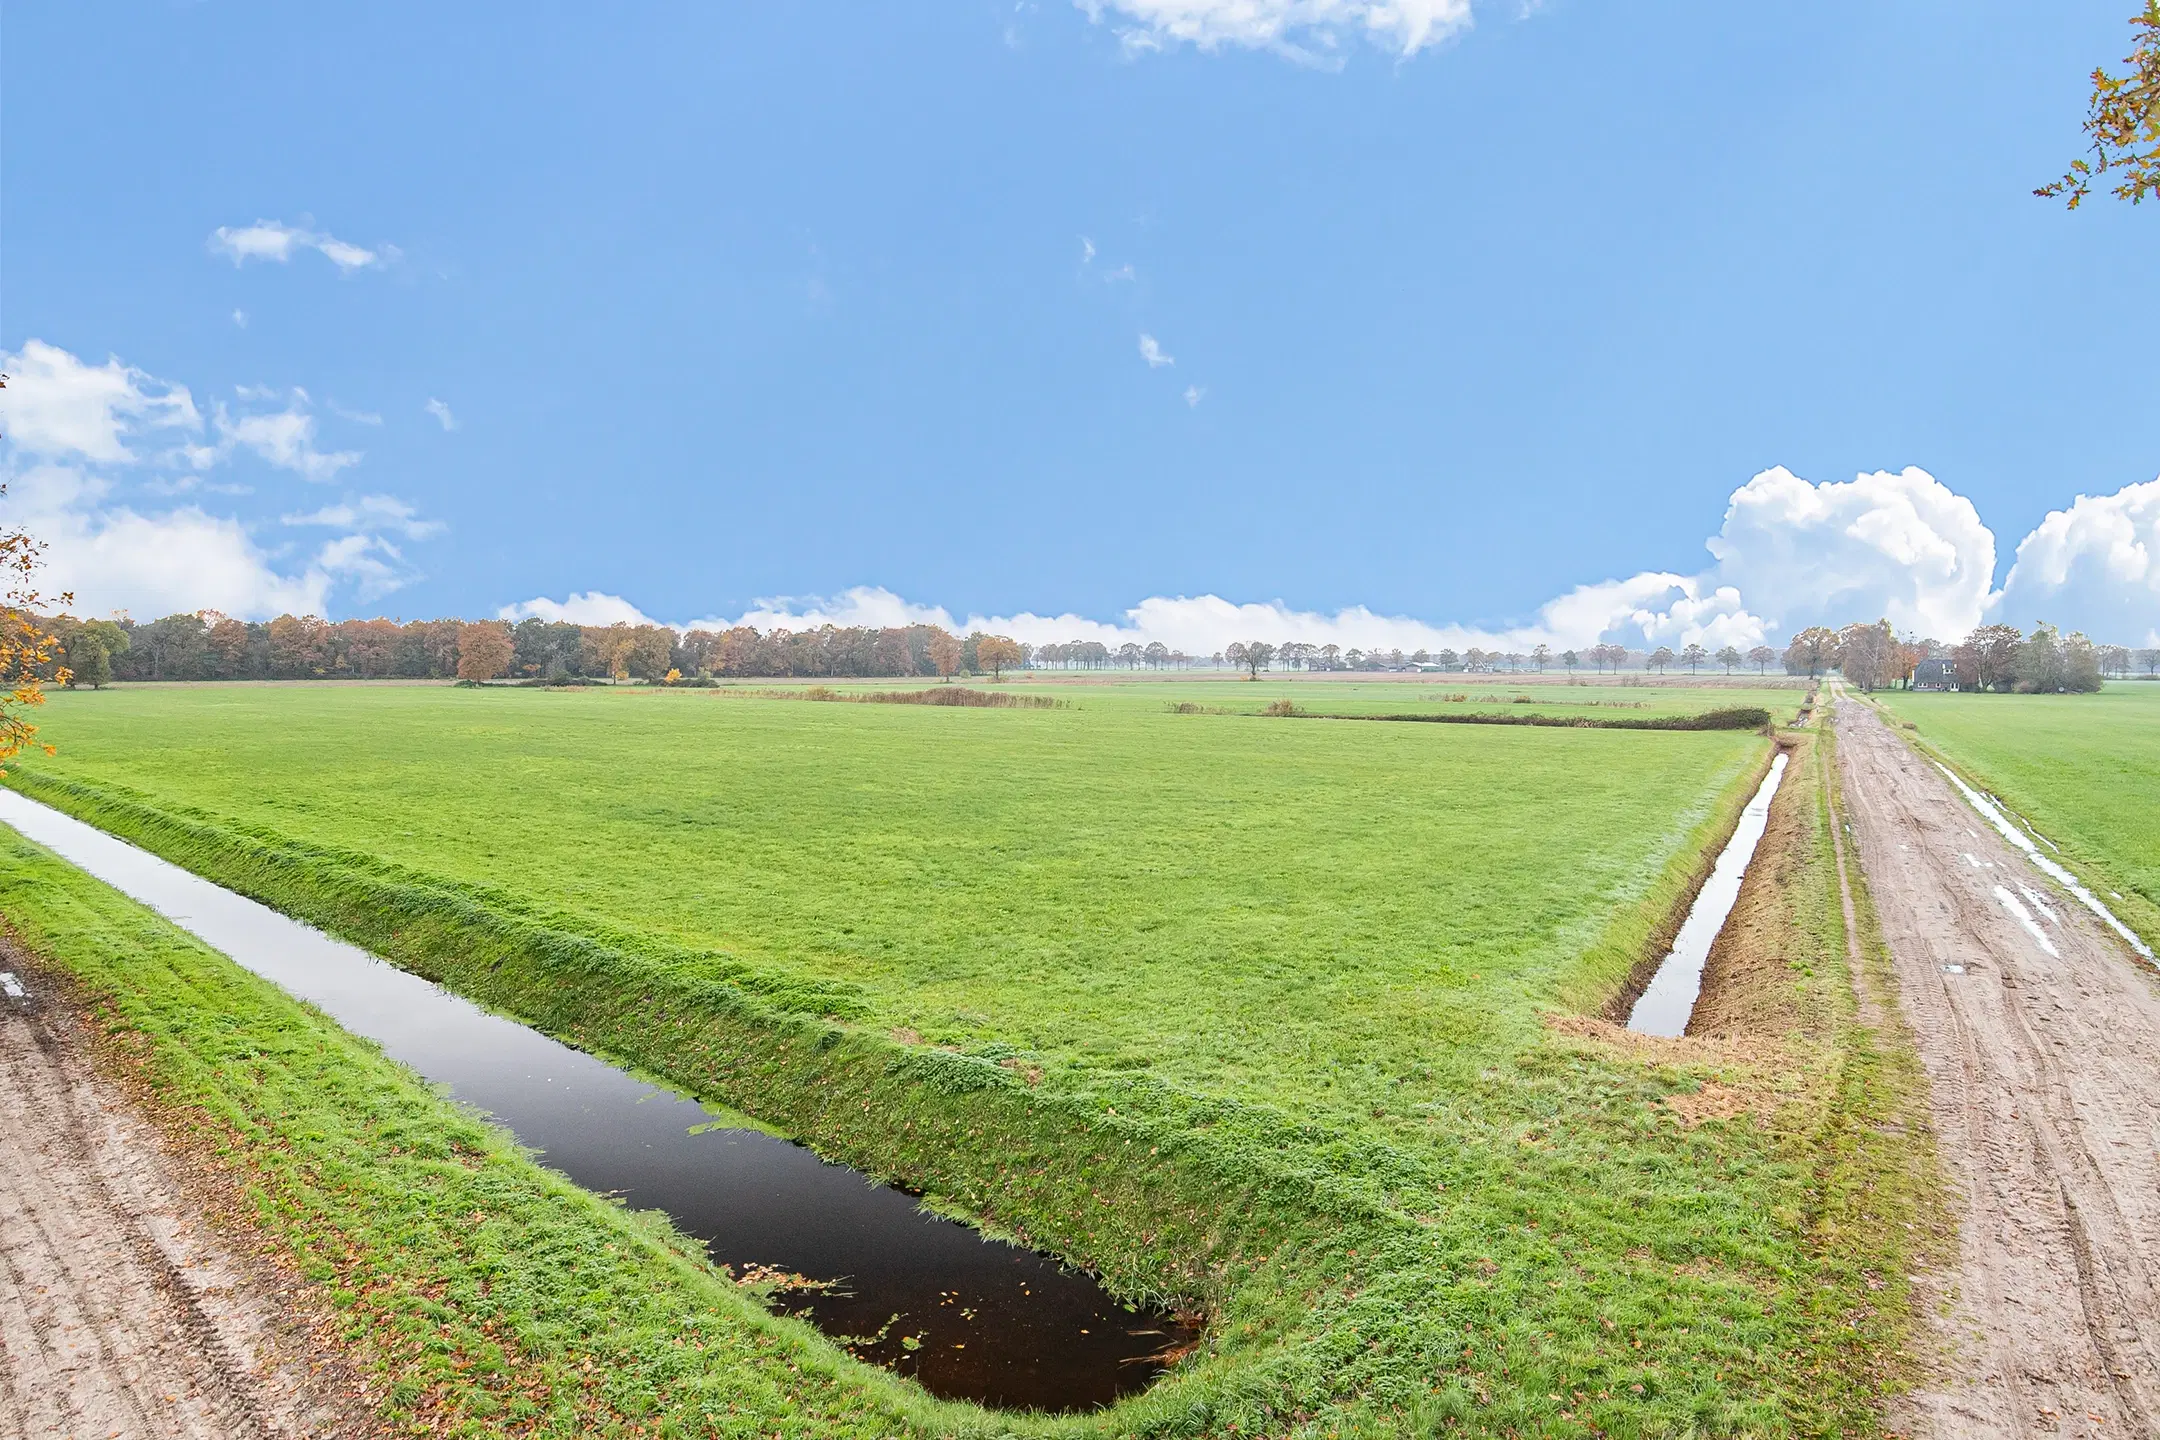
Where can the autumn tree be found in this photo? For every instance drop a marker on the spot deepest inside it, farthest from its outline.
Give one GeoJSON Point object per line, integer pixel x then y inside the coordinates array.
{"type": "Point", "coordinates": [27, 646]}
{"type": "Point", "coordinates": [1660, 658]}
{"type": "Point", "coordinates": [484, 650]}
{"type": "Point", "coordinates": [944, 649]}
{"type": "Point", "coordinates": [999, 653]}
{"type": "Point", "coordinates": [1760, 657]}
{"type": "Point", "coordinates": [1811, 652]}
{"type": "Point", "coordinates": [2123, 123]}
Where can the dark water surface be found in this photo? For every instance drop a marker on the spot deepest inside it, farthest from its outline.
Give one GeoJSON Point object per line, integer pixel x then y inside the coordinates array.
{"type": "Point", "coordinates": [970, 1318]}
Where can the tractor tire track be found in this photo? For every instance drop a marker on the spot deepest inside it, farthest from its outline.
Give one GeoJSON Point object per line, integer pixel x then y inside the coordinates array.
{"type": "Point", "coordinates": [2046, 1113]}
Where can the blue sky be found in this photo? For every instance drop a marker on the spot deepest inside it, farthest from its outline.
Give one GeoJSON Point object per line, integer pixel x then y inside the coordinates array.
{"type": "Point", "coordinates": [716, 304]}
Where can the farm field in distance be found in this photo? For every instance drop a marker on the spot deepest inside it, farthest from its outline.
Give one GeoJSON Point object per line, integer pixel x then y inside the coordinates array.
{"type": "Point", "coordinates": [2083, 769]}
{"type": "Point", "coordinates": [1306, 969]}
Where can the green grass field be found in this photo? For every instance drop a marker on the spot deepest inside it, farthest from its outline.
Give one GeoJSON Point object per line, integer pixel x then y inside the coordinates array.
{"type": "Point", "coordinates": [1241, 1012]}
{"type": "Point", "coordinates": [2084, 770]}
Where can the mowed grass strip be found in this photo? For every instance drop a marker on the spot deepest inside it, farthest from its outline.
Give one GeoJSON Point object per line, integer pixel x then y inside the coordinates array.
{"type": "Point", "coordinates": [2083, 769]}
{"type": "Point", "coordinates": [1276, 991]}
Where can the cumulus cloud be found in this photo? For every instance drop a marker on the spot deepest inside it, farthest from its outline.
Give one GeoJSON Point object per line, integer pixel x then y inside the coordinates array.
{"type": "Point", "coordinates": [2093, 567]}
{"type": "Point", "coordinates": [1152, 352]}
{"type": "Point", "coordinates": [95, 454]}
{"type": "Point", "coordinates": [593, 607]}
{"type": "Point", "coordinates": [58, 406]}
{"type": "Point", "coordinates": [276, 241]}
{"type": "Point", "coordinates": [441, 412]}
{"type": "Point", "coordinates": [1669, 610]}
{"type": "Point", "coordinates": [1900, 546]}
{"type": "Point", "coordinates": [1306, 30]}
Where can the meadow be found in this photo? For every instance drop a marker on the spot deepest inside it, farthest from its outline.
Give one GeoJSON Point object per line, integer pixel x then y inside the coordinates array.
{"type": "Point", "coordinates": [2083, 770]}
{"type": "Point", "coordinates": [1251, 1015]}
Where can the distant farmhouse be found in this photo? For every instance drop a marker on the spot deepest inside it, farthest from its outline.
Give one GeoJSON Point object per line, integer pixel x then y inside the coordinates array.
{"type": "Point", "coordinates": [1934, 675]}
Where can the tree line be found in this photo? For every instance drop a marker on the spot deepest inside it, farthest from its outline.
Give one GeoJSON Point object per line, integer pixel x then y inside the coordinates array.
{"type": "Point", "coordinates": [210, 646]}
{"type": "Point", "coordinates": [1992, 657]}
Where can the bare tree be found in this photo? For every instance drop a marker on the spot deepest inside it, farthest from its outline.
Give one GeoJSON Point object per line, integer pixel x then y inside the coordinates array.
{"type": "Point", "coordinates": [1254, 657]}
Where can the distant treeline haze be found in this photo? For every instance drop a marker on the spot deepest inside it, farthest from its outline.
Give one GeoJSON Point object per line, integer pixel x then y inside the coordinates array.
{"type": "Point", "coordinates": [210, 646]}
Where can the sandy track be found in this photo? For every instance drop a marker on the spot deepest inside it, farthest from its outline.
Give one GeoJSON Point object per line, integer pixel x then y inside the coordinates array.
{"type": "Point", "coordinates": [2045, 1071]}
{"type": "Point", "coordinates": [121, 1314]}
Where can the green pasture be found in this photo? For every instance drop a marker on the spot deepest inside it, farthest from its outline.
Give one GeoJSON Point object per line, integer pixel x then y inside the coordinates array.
{"type": "Point", "coordinates": [2083, 770]}
{"type": "Point", "coordinates": [1244, 1013]}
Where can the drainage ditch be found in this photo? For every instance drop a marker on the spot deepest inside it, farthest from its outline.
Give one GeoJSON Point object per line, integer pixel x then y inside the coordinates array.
{"type": "Point", "coordinates": [968, 1317]}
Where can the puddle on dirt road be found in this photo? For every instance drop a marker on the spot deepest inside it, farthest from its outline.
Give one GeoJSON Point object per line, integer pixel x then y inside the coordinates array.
{"type": "Point", "coordinates": [968, 1317]}
{"type": "Point", "coordinates": [2057, 873]}
{"type": "Point", "coordinates": [1665, 1007]}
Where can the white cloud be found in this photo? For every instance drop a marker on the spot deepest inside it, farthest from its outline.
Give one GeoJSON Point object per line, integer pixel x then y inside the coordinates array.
{"type": "Point", "coordinates": [591, 608]}
{"type": "Point", "coordinates": [2093, 567]}
{"type": "Point", "coordinates": [1193, 396]}
{"type": "Point", "coordinates": [239, 318]}
{"type": "Point", "coordinates": [1087, 250]}
{"type": "Point", "coordinates": [358, 417]}
{"type": "Point", "coordinates": [1299, 29]}
{"type": "Point", "coordinates": [276, 241]}
{"type": "Point", "coordinates": [114, 558]}
{"type": "Point", "coordinates": [1900, 546]}
{"type": "Point", "coordinates": [371, 512]}
{"type": "Point", "coordinates": [1152, 352]}
{"type": "Point", "coordinates": [441, 412]}
{"type": "Point", "coordinates": [1123, 272]}
{"type": "Point", "coordinates": [76, 437]}
{"type": "Point", "coordinates": [284, 438]}
{"type": "Point", "coordinates": [56, 406]}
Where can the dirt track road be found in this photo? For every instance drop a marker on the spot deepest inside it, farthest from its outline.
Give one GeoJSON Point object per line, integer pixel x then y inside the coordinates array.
{"type": "Point", "coordinates": [2044, 1056]}
{"type": "Point", "coordinates": [120, 1313]}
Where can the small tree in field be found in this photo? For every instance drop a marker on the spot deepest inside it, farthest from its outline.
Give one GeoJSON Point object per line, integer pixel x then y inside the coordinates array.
{"type": "Point", "coordinates": [943, 647]}
{"type": "Point", "coordinates": [1570, 659]}
{"type": "Point", "coordinates": [1541, 656]}
{"type": "Point", "coordinates": [997, 654]}
{"type": "Point", "coordinates": [1693, 657]}
{"type": "Point", "coordinates": [1253, 657]}
{"type": "Point", "coordinates": [1728, 657]}
{"type": "Point", "coordinates": [1760, 657]}
{"type": "Point", "coordinates": [1659, 658]}
{"type": "Point", "coordinates": [484, 650]}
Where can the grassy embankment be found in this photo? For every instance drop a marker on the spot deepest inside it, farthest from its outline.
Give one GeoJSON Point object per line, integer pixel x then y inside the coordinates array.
{"type": "Point", "coordinates": [480, 1294]}
{"type": "Point", "coordinates": [1243, 1014]}
{"type": "Point", "coordinates": [2083, 770]}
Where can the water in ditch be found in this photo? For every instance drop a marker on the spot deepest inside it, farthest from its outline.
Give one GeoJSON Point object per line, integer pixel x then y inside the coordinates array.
{"type": "Point", "coordinates": [968, 1317]}
{"type": "Point", "coordinates": [1666, 1006]}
